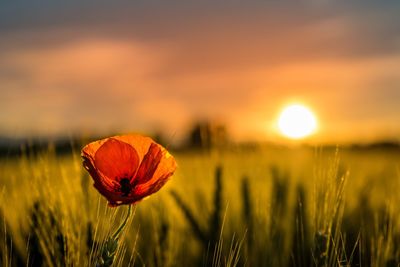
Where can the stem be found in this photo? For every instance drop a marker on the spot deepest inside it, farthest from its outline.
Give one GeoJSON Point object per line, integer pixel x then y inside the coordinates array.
{"type": "Point", "coordinates": [111, 245]}
{"type": "Point", "coordinates": [122, 226]}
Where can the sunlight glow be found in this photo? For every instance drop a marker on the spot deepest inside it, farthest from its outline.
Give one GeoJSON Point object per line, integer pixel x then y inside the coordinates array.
{"type": "Point", "coordinates": [297, 121]}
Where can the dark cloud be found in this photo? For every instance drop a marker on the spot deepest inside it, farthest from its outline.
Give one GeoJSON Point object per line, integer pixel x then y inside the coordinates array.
{"type": "Point", "coordinates": [215, 36]}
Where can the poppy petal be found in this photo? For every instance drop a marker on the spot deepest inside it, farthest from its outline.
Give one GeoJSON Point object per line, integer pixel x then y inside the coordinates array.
{"type": "Point", "coordinates": [165, 170]}
{"type": "Point", "coordinates": [87, 154]}
{"type": "Point", "coordinates": [147, 189]}
{"type": "Point", "coordinates": [166, 167]}
{"type": "Point", "coordinates": [140, 143]}
{"type": "Point", "coordinates": [116, 159]}
{"type": "Point", "coordinates": [149, 164]}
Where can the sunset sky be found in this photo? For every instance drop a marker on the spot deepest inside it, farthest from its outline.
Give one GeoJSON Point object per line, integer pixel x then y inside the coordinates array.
{"type": "Point", "coordinates": [157, 66]}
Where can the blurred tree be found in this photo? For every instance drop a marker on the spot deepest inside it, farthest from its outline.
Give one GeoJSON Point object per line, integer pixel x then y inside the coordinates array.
{"type": "Point", "coordinates": [208, 134]}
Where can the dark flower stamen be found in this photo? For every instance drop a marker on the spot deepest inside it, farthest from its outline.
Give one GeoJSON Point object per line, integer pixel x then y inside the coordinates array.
{"type": "Point", "coordinates": [126, 186]}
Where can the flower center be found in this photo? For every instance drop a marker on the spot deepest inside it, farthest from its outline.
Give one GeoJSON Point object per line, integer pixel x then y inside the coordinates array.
{"type": "Point", "coordinates": [126, 186]}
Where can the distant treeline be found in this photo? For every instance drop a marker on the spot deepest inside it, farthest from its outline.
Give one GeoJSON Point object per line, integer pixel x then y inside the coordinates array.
{"type": "Point", "coordinates": [202, 135]}
{"type": "Point", "coordinates": [10, 147]}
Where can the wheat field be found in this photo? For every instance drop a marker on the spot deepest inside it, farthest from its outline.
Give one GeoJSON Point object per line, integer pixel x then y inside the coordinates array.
{"type": "Point", "coordinates": [237, 206]}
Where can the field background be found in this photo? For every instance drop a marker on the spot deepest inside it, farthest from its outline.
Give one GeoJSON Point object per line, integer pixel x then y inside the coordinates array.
{"type": "Point", "coordinates": [270, 206]}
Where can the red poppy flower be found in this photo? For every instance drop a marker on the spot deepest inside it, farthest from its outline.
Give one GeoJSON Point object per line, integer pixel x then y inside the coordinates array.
{"type": "Point", "coordinates": [127, 168]}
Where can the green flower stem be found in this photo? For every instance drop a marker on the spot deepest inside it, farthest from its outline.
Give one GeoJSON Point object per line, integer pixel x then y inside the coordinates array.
{"type": "Point", "coordinates": [111, 246]}
{"type": "Point", "coordinates": [116, 234]}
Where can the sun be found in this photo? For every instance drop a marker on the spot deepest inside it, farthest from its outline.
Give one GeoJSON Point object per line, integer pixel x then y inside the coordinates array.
{"type": "Point", "coordinates": [297, 121]}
